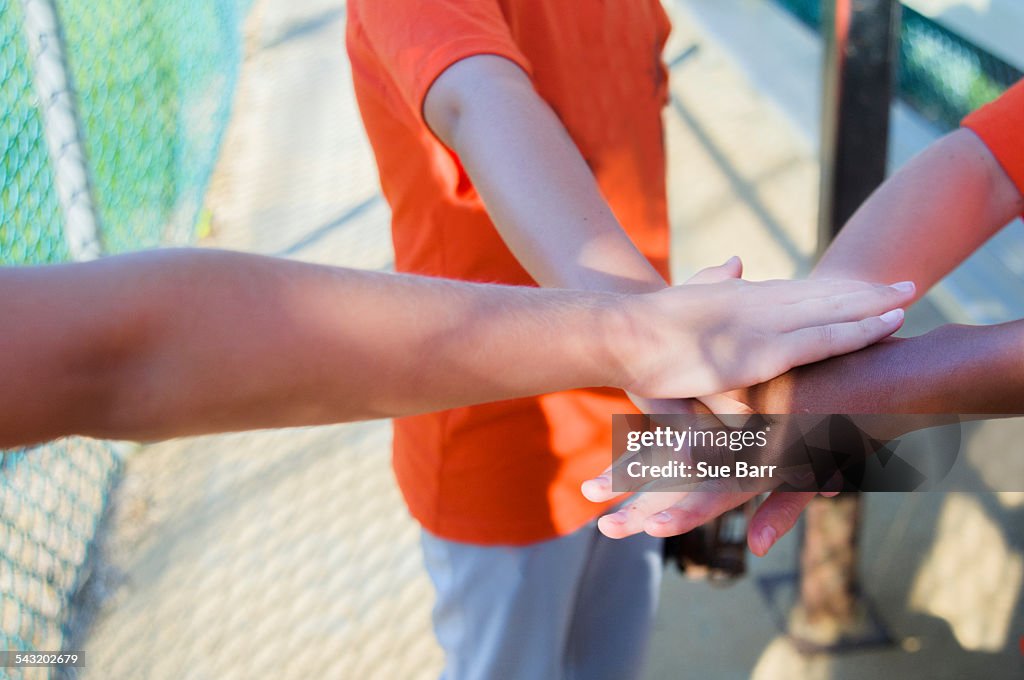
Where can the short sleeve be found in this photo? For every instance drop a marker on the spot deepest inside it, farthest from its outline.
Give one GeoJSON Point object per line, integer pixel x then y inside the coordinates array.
{"type": "Point", "coordinates": [415, 41]}
{"type": "Point", "coordinates": [1000, 125]}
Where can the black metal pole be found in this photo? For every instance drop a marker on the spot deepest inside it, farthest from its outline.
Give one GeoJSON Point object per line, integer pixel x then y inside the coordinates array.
{"type": "Point", "coordinates": [860, 40]}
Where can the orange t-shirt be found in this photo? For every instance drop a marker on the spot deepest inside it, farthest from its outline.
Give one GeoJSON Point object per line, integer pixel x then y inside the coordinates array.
{"type": "Point", "coordinates": [1000, 124]}
{"type": "Point", "coordinates": [509, 472]}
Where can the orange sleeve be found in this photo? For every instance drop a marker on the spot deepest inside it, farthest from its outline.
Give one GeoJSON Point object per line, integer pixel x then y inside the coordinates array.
{"type": "Point", "coordinates": [416, 40]}
{"type": "Point", "coordinates": [1000, 124]}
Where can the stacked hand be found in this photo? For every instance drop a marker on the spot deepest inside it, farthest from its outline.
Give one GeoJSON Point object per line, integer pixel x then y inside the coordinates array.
{"type": "Point", "coordinates": [743, 333]}
{"type": "Point", "coordinates": [727, 333]}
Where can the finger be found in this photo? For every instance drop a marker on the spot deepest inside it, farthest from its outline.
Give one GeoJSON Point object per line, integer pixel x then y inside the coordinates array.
{"type": "Point", "coordinates": [791, 291]}
{"type": "Point", "coordinates": [730, 269]}
{"type": "Point", "coordinates": [630, 519]}
{"type": "Point", "coordinates": [797, 475]}
{"type": "Point", "coordinates": [695, 509]}
{"type": "Point", "coordinates": [808, 345]}
{"type": "Point", "coordinates": [852, 306]}
{"type": "Point", "coordinates": [775, 517]}
{"type": "Point", "coordinates": [729, 411]}
{"type": "Point", "coordinates": [833, 485]}
{"type": "Point", "coordinates": [599, 489]}
{"type": "Point", "coordinates": [662, 407]}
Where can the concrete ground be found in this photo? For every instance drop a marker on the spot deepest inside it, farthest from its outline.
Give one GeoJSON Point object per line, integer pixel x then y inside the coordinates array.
{"type": "Point", "coordinates": [289, 554]}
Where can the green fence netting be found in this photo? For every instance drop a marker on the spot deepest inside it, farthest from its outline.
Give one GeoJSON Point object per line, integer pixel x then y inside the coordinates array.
{"type": "Point", "coordinates": [154, 79]}
{"type": "Point", "coordinates": [153, 82]}
{"type": "Point", "coordinates": [30, 222]}
{"type": "Point", "coordinates": [940, 74]}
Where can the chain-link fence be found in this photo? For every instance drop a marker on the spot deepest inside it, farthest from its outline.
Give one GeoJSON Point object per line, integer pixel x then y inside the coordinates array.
{"type": "Point", "coordinates": [115, 108]}
{"type": "Point", "coordinates": [51, 501]}
{"type": "Point", "coordinates": [941, 75]}
{"type": "Point", "coordinates": [30, 222]}
{"type": "Point", "coordinates": [154, 81]}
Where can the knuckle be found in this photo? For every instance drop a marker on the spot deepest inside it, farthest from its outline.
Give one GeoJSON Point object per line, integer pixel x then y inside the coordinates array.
{"type": "Point", "coordinates": [756, 368]}
{"type": "Point", "coordinates": [827, 335]}
{"type": "Point", "coordinates": [790, 509]}
{"type": "Point", "coordinates": [837, 304]}
{"type": "Point", "coordinates": [869, 327]}
{"type": "Point", "coordinates": [774, 364]}
{"type": "Point", "coordinates": [686, 518]}
{"type": "Point", "coordinates": [786, 510]}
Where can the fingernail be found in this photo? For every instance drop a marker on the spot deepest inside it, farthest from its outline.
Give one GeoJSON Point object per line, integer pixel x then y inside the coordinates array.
{"type": "Point", "coordinates": [904, 286]}
{"type": "Point", "coordinates": [616, 517]}
{"type": "Point", "coordinates": [767, 537]}
{"type": "Point", "coordinates": [595, 489]}
{"type": "Point", "coordinates": [893, 317]}
{"type": "Point", "coordinates": [734, 258]}
{"type": "Point", "coordinates": [661, 518]}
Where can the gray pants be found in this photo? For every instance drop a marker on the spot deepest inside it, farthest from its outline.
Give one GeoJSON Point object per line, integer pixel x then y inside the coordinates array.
{"type": "Point", "coordinates": [575, 607]}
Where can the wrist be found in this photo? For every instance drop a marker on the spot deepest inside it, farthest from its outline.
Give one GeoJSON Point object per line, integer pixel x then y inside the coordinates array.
{"type": "Point", "coordinates": [617, 349]}
{"type": "Point", "coordinates": [974, 369]}
{"type": "Point", "coordinates": [642, 349]}
{"type": "Point", "coordinates": [878, 379]}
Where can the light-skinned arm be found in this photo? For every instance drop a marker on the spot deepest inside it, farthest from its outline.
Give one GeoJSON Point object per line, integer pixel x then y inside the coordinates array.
{"type": "Point", "coordinates": [927, 218]}
{"type": "Point", "coordinates": [539, 191]}
{"type": "Point", "coordinates": [930, 216]}
{"type": "Point", "coordinates": [176, 342]}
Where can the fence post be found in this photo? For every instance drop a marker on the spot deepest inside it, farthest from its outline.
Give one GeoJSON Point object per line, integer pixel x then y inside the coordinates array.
{"type": "Point", "coordinates": [62, 129]}
{"type": "Point", "coordinates": [861, 40]}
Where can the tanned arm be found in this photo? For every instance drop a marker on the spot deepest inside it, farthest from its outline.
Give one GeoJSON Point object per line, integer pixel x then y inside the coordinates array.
{"type": "Point", "coordinates": [176, 342]}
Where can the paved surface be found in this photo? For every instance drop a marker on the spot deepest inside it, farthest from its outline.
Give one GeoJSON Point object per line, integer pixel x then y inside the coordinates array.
{"type": "Point", "coordinates": [289, 554]}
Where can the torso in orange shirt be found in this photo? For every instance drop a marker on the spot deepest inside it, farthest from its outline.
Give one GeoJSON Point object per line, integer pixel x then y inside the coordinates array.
{"type": "Point", "coordinates": [509, 472]}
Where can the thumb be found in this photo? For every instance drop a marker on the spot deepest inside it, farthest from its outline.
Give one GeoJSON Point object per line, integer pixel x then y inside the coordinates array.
{"type": "Point", "coordinates": [730, 269]}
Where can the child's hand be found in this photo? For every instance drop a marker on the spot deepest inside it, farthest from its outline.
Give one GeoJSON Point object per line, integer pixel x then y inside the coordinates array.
{"type": "Point", "coordinates": [699, 339]}
{"type": "Point", "coordinates": [730, 269]}
{"type": "Point", "coordinates": [669, 513]}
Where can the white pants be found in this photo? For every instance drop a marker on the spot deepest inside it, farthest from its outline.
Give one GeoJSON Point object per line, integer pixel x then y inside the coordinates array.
{"type": "Point", "coordinates": [575, 607]}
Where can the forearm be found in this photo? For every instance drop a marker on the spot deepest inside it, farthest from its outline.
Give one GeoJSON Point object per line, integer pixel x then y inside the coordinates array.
{"type": "Point", "coordinates": [177, 342]}
{"type": "Point", "coordinates": [928, 217]}
{"type": "Point", "coordinates": [169, 343]}
{"type": "Point", "coordinates": [953, 369]}
{"type": "Point", "coordinates": [537, 187]}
